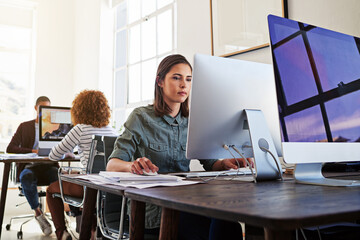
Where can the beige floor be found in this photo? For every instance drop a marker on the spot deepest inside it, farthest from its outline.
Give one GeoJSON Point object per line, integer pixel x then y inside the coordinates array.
{"type": "Point", "coordinates": [31, 230]}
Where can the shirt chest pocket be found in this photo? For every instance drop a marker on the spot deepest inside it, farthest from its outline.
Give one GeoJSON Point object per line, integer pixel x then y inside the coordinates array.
{"type": "Point", "coordinates": [158, 147]}
{"type": "Point", "coordinates": [158, 153]}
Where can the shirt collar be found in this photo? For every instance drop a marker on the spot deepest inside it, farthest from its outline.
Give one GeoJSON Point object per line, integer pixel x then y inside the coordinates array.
{"type": "Point", "coordinates": [173, 121]}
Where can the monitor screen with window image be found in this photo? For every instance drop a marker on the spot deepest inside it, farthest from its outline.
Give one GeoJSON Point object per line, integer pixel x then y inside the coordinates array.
{"type": "Point", "coordinates": [317, 74]}
{"type": "Point", "coordinates": [54, 124]}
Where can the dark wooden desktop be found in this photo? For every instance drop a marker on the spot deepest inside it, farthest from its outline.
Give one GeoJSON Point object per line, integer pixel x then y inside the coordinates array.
{"type": "Point", "coordinates": [6, 173]}
{"type": "Point", "coordinates": [278, 207]}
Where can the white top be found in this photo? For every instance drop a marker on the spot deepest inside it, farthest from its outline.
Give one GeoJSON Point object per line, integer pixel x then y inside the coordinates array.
{"type": "Point", "coordinates": [81, 136]}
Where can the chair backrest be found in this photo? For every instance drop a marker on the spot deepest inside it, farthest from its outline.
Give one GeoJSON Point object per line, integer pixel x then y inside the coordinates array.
{"type": "Point", "coordinates": [108, 142]}
{"type": "Point", "coordinates": [96, 161]}
{"type": "Point", "coordinates": [111, 209]}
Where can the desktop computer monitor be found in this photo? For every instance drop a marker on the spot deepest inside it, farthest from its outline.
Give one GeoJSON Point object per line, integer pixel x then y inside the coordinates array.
{"type": "Point", "coordinates": [317, 75]}
{"type": "Point", "coordinates": [221, 89]}
{"type": "Point", "coordinates": [54, 124]}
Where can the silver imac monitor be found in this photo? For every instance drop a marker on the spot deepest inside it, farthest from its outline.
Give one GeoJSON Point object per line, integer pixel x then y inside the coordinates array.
{"type": "Point", "coordinates": [317, 75]}
{"type": "Point", "coordinates": [221, 89]}
{"type": "Point", "coordinates": [54, 124]}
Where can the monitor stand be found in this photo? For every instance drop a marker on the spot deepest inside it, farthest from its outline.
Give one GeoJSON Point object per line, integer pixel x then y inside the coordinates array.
{"type": "Point", "coordinates": [266, 168]}
{"type": "Point", "coordinates": [310, 173]}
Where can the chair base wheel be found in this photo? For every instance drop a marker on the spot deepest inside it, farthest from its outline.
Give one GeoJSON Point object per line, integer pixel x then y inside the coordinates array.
{"type": "Point", "coordinates": [19, 235]}
{"type": "Point", "coordinates": [8, 227]}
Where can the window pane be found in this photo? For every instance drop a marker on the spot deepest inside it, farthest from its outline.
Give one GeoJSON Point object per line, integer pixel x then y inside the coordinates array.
{"type": "Point", "coordinates": [134, 10]}
{"type": "Point", "coordinates": [295, 71]}
{"type": "Point", "coordinates": [162, 3]}
{"type": "Point", "coordinates": [121, 15]}
{"type": "Point", "coordinates": [148, 40]}
{"type": "Point", "coordinates": [345, 125]}
{"type": "Point", "coordinates": [121, 48]}
{"type": "Point", "coordinates": [134, 42]}
{"type": "Point", "coordinates": [120, 88]}
{"type": "Point", "coordinates": [13, 37]}
{"type": "Point", "coordinates": [148, 7]}
{"type": "Point", "coordinates": [15, 80]}
{"type": "Point", "coordinates": [336, 56]}
{"type": "Point", "coordinates": [134, 84]}
{"type": "Point", "coordinates": [148, 79]}
{"type": "Point", "coordinates": [165, 32]}
{"type": "Point", "coordinates": [14, 62]}
{"type": "Point", "coordinates": [306, 126]}
{"type": "Point", "coordinates": [13, 95]}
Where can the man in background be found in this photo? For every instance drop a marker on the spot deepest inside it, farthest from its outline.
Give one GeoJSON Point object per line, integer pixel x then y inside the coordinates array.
{"type": "Point", "coordinates": [26, 140]}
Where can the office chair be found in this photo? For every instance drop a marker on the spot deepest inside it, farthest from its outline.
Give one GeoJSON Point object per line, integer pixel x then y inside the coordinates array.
{"type": "Point", "coordinates": [111, 209]}
{"type": "Point", "coordinates": [95, 164]}
{"type": "Point", "coordinates": [14, 176]}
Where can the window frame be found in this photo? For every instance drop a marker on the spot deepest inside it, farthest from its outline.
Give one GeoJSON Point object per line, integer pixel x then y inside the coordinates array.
{"type": "Point", "coordinates": [125, 109]}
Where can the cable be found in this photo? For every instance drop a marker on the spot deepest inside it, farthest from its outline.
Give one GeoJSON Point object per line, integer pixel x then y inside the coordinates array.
{"type": "Point", "coordinates": [277, 164]}
{"type": "Point", "coordinates": [247, 161]}
{"type": "Point", "coordinates": [319, 233]}
{"type": "Point", "coordinates": [302, 232]}
{"type": "Point", "coordinates": [224, 173]}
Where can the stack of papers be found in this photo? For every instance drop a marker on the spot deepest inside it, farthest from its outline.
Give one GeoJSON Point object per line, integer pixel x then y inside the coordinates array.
{"type": "Point", "coordinates": [98, 179]}
{"type": "Point", "coordinates": [131, 177]}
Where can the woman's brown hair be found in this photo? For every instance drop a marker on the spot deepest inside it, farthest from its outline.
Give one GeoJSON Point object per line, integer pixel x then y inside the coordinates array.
{"type": "Point", "coordinates": [90, 107]}
{"type": "Point", "coordinates": [160, 106]}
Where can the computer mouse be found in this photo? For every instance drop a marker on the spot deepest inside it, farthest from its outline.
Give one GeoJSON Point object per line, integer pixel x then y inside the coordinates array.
{"type": "Point", "coordinates": [150, 173]}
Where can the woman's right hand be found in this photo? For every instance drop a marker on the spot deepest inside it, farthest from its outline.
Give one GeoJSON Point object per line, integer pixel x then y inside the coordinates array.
{"type": "Point", "coordinates": [143, 164]}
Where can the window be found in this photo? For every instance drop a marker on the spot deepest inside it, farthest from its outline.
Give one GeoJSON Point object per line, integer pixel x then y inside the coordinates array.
{"type": "Point", "coordinates": [16, 66]}
{"type": "Point", "coordinates": [144, 34]}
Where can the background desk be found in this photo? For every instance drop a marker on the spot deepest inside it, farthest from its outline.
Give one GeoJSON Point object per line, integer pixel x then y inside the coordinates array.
{"type": "Point", "coordinates": [278, 207]}
{"type": "Point", "coordinates": [6, 172]}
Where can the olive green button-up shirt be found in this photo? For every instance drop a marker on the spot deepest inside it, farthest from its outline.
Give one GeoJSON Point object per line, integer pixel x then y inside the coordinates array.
{"type": "Point", "coordinates": [160, 139]}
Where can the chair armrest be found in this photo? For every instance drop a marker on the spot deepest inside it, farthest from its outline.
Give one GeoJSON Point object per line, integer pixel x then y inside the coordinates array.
{"type": "Point", "coordinates": [65, 198]}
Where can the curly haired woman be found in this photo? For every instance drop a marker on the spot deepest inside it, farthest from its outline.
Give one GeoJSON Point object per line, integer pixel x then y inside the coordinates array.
{"type": "Point", "coordinates": [90, 115]}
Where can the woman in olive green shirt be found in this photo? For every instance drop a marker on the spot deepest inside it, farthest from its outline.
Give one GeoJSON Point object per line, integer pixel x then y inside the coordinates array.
{"type": "Point", "coordinates": [155, 136]}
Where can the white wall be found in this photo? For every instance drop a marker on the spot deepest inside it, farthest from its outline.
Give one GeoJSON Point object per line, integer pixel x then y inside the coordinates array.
{"type": "Point", "coordinates": [55, 51]}
{"type": "Point", "coordinates": [342, 16]}
{"type": "Point", "coordinates": [193, 28]}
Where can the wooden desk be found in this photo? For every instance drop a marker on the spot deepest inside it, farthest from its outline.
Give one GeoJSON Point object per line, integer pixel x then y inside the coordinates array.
{"type": "Point", "coordinates": [278, 207]}
{"type": "Point", "coordinates": [90, 200]}
{"type": "Point", "coordinates": [5, 181]}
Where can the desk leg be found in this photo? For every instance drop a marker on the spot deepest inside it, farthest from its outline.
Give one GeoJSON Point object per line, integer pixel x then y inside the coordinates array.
{"type": "Point", "coordinates": [88, 212]}
{"type": "Point", "coordinates": [137, 220]}
{"type": "Point", "coordinates": [271, 234]}
{"type": "Point", "coordinates": [169, 224]}
{"type": "Point", "coordinates": [4, 188]}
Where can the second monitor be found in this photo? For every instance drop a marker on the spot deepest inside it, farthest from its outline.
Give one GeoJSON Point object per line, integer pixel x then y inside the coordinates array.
{"type": "Point", "coordinates": [54, 124]}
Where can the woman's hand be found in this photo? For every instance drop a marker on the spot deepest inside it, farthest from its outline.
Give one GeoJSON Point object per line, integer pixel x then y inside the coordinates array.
{"type": "Point", "coordinates": [143, 164]}
{"type": "Point", "coordinates": [230, 163]}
